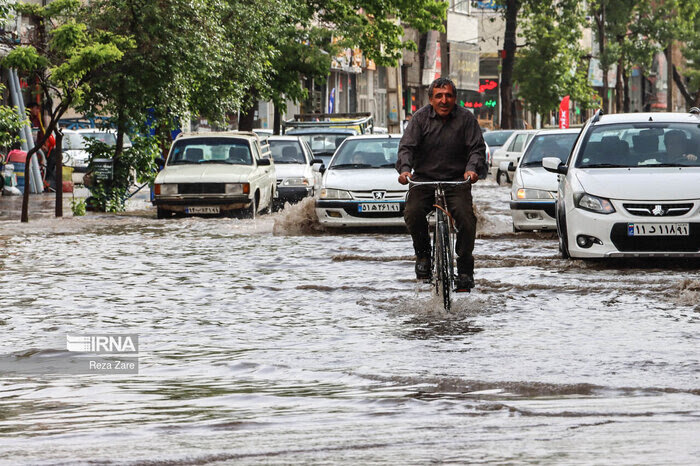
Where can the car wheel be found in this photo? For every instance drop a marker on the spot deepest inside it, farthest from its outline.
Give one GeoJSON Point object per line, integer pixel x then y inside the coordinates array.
{"type": "Point", "coordinates": [502, 178]}
{"type": "Point", "coordinates": [251, 210]}
{"type": "Point", "coordinates": [563, 238]}
{"type": "Point", "coordinates": [162, 213]}
{"type": "Point", "coordinates": [516, 229]}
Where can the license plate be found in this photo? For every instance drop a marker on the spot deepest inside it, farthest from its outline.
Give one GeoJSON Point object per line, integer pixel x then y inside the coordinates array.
{"type": "Point", "coordinates": [658, 229]}
{"type": "Point", "coordinates": [202, 210]}
{"type": "Point", "coordinates": [379, 207]}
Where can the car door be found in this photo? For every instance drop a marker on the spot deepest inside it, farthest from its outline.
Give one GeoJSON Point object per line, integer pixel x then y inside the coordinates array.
{"type": "Point", "coordinates": [264, 176]}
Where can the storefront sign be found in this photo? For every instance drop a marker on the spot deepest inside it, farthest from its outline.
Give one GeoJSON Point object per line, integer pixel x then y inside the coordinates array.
{"type": "Point", "coordinates": [464, 66]}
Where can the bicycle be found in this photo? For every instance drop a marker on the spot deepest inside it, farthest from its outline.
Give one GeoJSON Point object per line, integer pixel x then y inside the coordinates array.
{"type": "Point", "coordinates": [442, 276]}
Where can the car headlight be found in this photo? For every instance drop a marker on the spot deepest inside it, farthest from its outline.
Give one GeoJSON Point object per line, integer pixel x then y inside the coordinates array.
{"type": "Point", "coordinates": [328, 193]}
{"type": "Point", "coordinates": [524, 193]}
{"type": "Point", "coordinates": [166, 189]}
{"type": "Point", "coordinates": [237, 188]}
{"type": "Point", "coordinates": [592, 203]}
{"type": "Point", "coordinates": [295, 182]}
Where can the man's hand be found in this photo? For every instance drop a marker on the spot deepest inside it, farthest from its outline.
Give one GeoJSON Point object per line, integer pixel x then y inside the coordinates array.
{"type": "Point", "coordinates": [404, 177]}
{"type": "Point", "coordinates": [471, 176]}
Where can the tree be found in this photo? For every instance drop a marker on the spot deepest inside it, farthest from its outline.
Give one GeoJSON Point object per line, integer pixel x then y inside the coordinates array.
{"type": "Point", "coordinates": [510, 11]}
{"type": "Point", "coordinates": [375, 27]}
{"type": "Point", "coordinates": [63, 65]}
{"type": "Point", "coordinates": [552, 63]}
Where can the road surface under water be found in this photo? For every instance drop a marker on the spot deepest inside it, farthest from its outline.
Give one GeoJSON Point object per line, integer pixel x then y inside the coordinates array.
{"type": "Point", "coordinates": [272, 341]}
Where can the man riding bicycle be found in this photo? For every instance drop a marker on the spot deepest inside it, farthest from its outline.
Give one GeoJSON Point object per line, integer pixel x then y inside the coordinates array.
{"type": "Point", "coordinates": [442, 142]}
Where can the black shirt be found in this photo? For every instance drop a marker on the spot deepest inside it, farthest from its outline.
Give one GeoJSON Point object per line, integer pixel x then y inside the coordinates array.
{"type": "Point", "coordinates": [442, 150]}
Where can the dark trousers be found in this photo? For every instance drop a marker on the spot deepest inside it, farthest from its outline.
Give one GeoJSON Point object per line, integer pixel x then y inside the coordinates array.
{"type": "Point", "coordinates": [420, 201]}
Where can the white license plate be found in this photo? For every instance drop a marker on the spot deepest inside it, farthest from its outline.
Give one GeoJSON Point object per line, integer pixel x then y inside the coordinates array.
{"type": "Point", "coordinates": [658, 229]}
{"type": "Point", "coordinates": [202, 210]}
{"type": "Point", "coordinates": [379, 207]}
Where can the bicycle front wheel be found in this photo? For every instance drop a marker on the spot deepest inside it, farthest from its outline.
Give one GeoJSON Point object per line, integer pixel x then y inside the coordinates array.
{"type": "Point", "coordinates": [443, 260]}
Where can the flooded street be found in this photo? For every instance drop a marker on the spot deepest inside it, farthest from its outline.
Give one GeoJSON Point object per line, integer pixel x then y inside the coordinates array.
{"type": "Point", "coordinates": [271, 341]}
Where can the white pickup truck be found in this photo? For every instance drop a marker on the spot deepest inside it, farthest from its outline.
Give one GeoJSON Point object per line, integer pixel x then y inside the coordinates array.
{"type": "Point", "coordinates": [216, 173]}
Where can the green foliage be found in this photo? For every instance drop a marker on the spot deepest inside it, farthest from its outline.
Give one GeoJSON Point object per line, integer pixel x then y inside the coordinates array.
{"type": "Point", "coordinates": [135, 164]}
{"type": "Point", "coordinates": [552, 65]}
{"type": "Point", "coordinates": [10, 124]}
{"type": "Point", "coordinates": [78, 207]}
{"type": "Point", "coordinates": [25, 58]}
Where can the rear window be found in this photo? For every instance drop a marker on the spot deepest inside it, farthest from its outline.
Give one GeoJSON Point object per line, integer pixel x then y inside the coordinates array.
{"type": "Point", "coordinates": [287, 152]}
{"type": "Point", "coordinates": [641, 144]}
{"type": "Point", "coordinates": [497, 138]}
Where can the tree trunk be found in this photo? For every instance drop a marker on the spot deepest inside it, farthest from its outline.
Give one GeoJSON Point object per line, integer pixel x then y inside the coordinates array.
{"type": "Point", "coordinates": [277, 121]}
{"type": "Point", "coordinates": [59, 173]}
{"type": "Point", "coordinates": [509, 46]}
{"type": "Point", "coordinates": [619, 86]}
{"type": "Point", "coordinates": [600, 21]}
{"type": "Point", "coordinates": [669, 77]}
{"type": "Point", "coordinates": [247, 118]}
{"type": "Point", "coordinates": [689, 99]}
{"type": "Point", "coordinates": [626, 91]}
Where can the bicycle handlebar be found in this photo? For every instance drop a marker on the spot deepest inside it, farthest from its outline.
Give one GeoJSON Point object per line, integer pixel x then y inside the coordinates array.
{"type": "Point", "coordinates": [437, 183]}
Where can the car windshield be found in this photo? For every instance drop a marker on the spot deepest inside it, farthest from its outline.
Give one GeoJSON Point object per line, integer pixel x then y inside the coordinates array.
{"type": "Point", "coordinates": [641, 144]}
{"type": "Point", "coordinates": [77, 141]}
{"type": "Point", "coordinates": [496, 138]}
{"type": "Point", "coordinates": [287, 152]}
{"type": "Point", "coordinates": [548, 145]}
{"type": "Point", "coordinates": [367, 153]}
{"type": "Point", "coordinates": [323, 143]}
{"type": "Point", "coordinates": [230, 151]}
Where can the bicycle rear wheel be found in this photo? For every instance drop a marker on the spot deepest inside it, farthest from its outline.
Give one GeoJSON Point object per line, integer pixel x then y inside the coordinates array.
{"type": "Point", "coordinates": [442, 262]}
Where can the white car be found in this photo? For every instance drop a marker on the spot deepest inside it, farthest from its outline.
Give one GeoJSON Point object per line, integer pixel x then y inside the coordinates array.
{"type": "Point", "coordinates": [534, 189]}
{"type": "Point", "coordinates": [296, 178]}
{"type": "Point", "coordinates": [360, 186]}
{"type": "Point", "coordinates": [216, 173]}
{"type": "Point", "coordinates": [505, 159]}
{"type": "Point", "coordinates": [631, 187]}
{"type": "Point", "coordinates": [74, 145]}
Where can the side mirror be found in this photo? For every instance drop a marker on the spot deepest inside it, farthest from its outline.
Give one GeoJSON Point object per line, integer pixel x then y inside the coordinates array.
{"type": "Point", "coordinates": [322, 169]}
{"type": "Point", "coordinates": [506, 166]}
{"type": "Point", "coordinates": [263, 162]}
{"type": "Point", "coordinates": [554, 165]}
{"type": "Point", "coordinates": [315, 161]}
{"type": "Point", "coordinates": [511, 167]}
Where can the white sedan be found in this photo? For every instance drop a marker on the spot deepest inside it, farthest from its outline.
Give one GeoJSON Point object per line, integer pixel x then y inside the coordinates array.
{"type": "Point", "coordinates": [360, 186]}
{"type": "Point", "coordinates": [216, 173]}
{"type": "Point", "coordinates": [294, 162]}
{"type": "Point", "coordinates": [631, 187]}
{"type": "Point", "coordinates": [534, 190]}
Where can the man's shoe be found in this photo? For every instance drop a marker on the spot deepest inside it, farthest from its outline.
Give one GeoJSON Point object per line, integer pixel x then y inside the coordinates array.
{"type": "Point", "coordinates": [423, 268]}
{"type": "Point", "coordinates": [464, 282]}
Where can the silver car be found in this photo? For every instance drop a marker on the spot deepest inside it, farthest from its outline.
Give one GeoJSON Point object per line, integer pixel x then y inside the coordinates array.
{"type": "Point", "coordinates": [360, 186]}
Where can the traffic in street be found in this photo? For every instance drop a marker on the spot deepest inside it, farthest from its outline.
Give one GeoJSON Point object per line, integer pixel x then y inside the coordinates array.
{"type": "Point", "coordinates": [275, 340]}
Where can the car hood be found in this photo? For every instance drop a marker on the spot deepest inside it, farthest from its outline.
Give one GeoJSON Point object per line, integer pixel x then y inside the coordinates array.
{"type": "Point", "coordinates": [538, 178]}
{"type": "Point", "coordinates": [289, 170]}
{"type": "Point", "coordinates": [363, 179]}
{"type": "Point", "coordinates": [644, 184]}
{"type": "Point", "coordinates": [205, 173]}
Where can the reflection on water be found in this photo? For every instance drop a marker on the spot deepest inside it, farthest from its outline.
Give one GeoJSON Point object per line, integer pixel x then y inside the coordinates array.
{"type": "Point", "coordinates": [275, 341]}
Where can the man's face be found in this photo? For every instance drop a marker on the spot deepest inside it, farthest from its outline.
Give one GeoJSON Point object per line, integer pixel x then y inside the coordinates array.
{"type": "Point", "coordinates": [443, 100]}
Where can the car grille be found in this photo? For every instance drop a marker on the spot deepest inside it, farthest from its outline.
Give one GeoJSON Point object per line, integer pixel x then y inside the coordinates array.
{"type": "Point", "coordinates": [383, 195]}
{"type": "Point", "coordinates": [201, 188]}
{"type": "Point", "coordinates": [658, 210]}
{"type": "Point", "coordinates": [625, 243]}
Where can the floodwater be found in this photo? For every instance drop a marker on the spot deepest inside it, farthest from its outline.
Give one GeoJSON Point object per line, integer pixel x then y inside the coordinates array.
{"type": "Point", "coordinates": [272, 341]}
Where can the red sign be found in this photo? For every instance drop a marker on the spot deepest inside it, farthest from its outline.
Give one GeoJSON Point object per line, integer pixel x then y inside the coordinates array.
{"type": "Point", "coordinates": [564, 113]}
